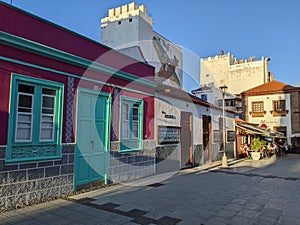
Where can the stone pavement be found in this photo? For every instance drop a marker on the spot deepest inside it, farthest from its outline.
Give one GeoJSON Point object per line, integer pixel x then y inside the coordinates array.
{"type": "Point", "coordinates": [248, 192]}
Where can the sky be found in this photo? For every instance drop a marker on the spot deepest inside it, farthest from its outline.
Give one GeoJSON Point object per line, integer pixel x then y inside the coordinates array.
{"type": "Point", "coordinates": [202, 28]}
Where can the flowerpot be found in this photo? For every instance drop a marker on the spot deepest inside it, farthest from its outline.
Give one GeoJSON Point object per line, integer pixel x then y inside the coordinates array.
{"type": "Point", "coordinates": [255, 155]}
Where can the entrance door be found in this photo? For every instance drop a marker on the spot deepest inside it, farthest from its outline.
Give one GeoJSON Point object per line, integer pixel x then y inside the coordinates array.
{"type": "Point", "coordinates": [186, 139]}
{"type": "Point", "coordinates": [207, 143]}
{"type": "Point", "coordinates": [92, 151]}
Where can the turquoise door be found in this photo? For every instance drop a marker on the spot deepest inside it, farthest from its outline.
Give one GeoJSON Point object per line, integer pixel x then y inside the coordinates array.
{"type": "Point", "coordinates": [92, 137]}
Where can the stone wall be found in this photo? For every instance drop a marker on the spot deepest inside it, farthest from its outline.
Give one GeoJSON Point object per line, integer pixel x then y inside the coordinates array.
{"type": "Point", "coordinates": [168, 158]}
{"type": "Point", "coordinates": [198, 155]}
{"type": "Point", "coordinates": [35, 181]}
{"type": "Point", "coordinates": [295, 112]}
{"type": "Point", "coordinates": [217, 155]}
{"type": "Point", "coordinates": [132, 165]}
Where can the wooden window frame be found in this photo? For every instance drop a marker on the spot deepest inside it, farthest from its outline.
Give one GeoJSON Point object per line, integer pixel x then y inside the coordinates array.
{"type": "Point", "coordinates": [282, 112]}
{"type": "Point", "coordinates": [35, 149]}
{"type": "Point", "coordinates": [255, 113]}
{"type": "Point", "coordinates": [19, 114]}
{"type": "Point", "coordinates": [53, 115]}
{"type": "Point", "coordinates": [131, 143]}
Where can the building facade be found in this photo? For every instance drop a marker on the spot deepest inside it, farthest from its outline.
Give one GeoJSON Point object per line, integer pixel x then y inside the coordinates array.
{"type": "Point", "coordinates": [276, 105]}
{"type": "Point", "coordinates": [225, 69]}
{"type": "Point", "coordinates": [181, 119]}
{"type": "Point", "coordinates": [189, 130]}
{"type": "Point", "coordinates": [73, 112]}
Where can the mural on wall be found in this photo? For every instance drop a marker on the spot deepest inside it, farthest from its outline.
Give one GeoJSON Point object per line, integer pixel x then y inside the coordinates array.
{"type": "Point", "coordinates": [170, 58]}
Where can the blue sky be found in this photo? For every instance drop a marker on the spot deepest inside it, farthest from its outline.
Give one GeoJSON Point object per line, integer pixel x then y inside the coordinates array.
{"type": "Point", "coordinates": [257, 28]}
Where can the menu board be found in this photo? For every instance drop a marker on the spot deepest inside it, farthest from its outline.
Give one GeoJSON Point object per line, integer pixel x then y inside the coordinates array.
{"type": "Point", "coordinates": [168, 135]}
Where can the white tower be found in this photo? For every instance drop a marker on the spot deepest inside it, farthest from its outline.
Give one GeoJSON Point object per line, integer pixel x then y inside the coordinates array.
{"type": "Point", "coordinates": [129, 28]}
{"type": "Point", "coordinates": [126, 24]}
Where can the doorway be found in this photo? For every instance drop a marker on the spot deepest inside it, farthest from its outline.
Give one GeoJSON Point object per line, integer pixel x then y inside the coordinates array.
{"type": "Point", "coordinates": [186, 139]}
{"type": "Point", "coordinates": [207, 140]}
{"type": "Point", "coordinates": [92, 137]}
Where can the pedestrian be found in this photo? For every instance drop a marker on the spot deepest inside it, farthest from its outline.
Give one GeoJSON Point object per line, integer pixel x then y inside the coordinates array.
{"type": "Point", "coordinates": [277, 150]}
{"type": "Point", "coordinates": [286, 147]}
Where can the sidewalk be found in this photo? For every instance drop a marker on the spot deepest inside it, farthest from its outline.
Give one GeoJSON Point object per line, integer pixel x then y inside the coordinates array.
{"type": "Point", "coordinates": [286, 167]}
{"type": "Point", "coordinates": [248, 192]}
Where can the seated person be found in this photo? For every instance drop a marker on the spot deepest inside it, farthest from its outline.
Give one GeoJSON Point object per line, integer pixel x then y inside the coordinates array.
{"type": "Point", "coordinates": [244, 150]}
{"type": "Point", "coordinates": [270, 149]}
{"type": "Point", "coordinates": [264, 152]}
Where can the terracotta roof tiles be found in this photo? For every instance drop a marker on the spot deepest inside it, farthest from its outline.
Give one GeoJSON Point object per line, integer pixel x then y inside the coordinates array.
{"type": "Point", "coordinates": [270, 87]}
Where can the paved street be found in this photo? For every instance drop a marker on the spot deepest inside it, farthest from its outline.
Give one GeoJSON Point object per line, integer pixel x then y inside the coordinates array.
{"type": "Point", "coordinates": [260, 193]}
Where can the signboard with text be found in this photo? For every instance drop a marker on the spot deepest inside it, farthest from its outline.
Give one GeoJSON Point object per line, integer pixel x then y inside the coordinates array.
{"type": "Point", "coordinates": [168, 134]}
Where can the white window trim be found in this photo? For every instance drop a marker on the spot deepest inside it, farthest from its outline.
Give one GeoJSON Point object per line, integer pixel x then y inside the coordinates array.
{"type": "Point", "coordinates": [126, 121]}
{"type": "Point", "coordinates": [17, 120]}
{"type": "Point", "coordinates": [135, 121]}
{"type": "Point", "coordinates": [53, 118]}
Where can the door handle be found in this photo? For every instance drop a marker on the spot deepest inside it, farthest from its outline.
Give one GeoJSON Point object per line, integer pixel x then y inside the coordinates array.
{"type": "Point", "coordinates": [92, 143]}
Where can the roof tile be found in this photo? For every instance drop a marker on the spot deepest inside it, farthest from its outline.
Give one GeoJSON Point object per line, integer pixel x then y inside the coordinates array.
{"type": "Point", "coordinates": [272, 86]}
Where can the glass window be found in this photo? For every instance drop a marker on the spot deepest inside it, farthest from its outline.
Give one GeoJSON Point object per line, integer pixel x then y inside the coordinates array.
{"type": "Point", "coordinates": [44, 115]}
{"type": "Point", "coordinates": [257, 107]}
{"type": "Point", "coordinates": [135, 121]}
{"type": "Point", "coordinates": [125, 121]}
{"type": "Point", "coordinates": [279, 106]}
{"type": "Point", "coordinates": [24, 113]}
{"type": "Point", "coordinates": [47, 116]}
{"type": "Point", "coordinates": [230, 135]}
{"type": "Point", "coordinates": [131, 124]}
{"type": "Point", "coordinates": [35, 119]}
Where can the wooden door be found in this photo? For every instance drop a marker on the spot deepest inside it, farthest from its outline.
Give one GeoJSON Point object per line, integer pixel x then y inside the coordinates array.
{"type": "Point", "coordinates": [207, 140]}
{"type": "Point", "coordinates": [92, 138]}
{"type": "Point", "coordinates": [186, 139]}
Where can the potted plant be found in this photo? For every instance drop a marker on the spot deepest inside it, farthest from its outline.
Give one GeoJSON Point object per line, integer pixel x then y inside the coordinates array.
{"type": "Point", "coordinates": [257, 147]}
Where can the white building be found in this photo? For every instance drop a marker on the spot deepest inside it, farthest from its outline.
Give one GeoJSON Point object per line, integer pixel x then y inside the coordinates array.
{"type": "Point", "coordinates": [198, 125]}
{"type": "Point", "coordinates": [237, 75]}
{"type": "Point", "coordinates": [275, 105]}
{"type": "Point", "coordinates": [187, 128]}
{"type": "Point", "coordinates": [129, 29]}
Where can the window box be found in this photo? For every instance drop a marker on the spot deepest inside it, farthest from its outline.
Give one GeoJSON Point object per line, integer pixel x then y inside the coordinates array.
{"type": "Point", "coordinates": [258, 114]}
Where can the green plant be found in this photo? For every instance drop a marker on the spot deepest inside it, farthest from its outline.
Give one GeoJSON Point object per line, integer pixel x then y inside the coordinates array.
{"type": "Point", "coordinates": [258, 144]}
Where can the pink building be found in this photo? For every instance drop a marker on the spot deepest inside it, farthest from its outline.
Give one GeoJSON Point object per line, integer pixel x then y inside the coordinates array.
{"type": "Point", "coordinates": [72, 111]}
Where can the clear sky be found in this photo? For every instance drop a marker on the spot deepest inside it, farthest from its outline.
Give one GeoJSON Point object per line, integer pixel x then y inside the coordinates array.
{"type": "Point", "coordinates": [268, 28]}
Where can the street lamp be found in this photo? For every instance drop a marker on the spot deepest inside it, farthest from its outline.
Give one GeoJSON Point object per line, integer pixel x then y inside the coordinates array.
{"type": "Point", "coordinates": [224, 158]}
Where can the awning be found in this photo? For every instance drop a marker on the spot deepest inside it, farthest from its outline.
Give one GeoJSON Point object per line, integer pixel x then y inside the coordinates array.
{"type": "Point", "coordinates": [250, 129]}
{"type": "Point", "coordinates": [254, 129]}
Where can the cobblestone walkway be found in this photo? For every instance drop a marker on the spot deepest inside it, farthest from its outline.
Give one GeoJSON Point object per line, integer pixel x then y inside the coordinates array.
{"type": "Point", "coordinates": [258, 193]}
